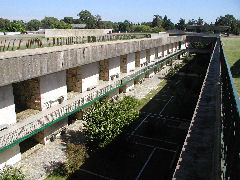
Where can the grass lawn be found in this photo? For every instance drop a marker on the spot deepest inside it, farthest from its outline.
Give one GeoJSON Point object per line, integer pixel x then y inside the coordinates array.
{"type": "Point", "coordinates": [232, 53]}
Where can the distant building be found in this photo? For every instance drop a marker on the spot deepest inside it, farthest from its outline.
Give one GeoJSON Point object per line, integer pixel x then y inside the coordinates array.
{"type": "Point", "coordinates": [78, 26]}
{"type": "Point", "coordinates": [204, 28]}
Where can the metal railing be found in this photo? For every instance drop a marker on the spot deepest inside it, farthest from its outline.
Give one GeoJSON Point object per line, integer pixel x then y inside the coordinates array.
{"type": "Point", "coordinates": [230, 134]}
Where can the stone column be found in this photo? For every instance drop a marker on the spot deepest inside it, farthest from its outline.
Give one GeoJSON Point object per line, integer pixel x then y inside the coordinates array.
{"type": "Point", "coordinates": [123, 64]}
{"type": "Point", "coordinates": [114, 68]}
{"type": "Point", "coordinates": [74, 79]}
{"type": "Point", "coordinates": [163, 51]}
{"type": "Point", "coordinates": [143, 58]}
{"type": "Point", "coordinates": [152, 54]}
{"type": "Point", "coordinates": [159, 52]}
{"type": "Point", "coordinates": [8, 117]}
{"type": "Point", "coordinates": [104, 70]}
{"type": "Point", "coordinates": [137, 59]}
{"type": "Point", "coordinates": [148, 55]}
{"type": "Point", "coordinates": [168, 49]}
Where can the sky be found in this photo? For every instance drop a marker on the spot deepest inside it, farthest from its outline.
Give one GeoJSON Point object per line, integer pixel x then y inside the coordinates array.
{"type": "Point", "coordinates": [136, 11]}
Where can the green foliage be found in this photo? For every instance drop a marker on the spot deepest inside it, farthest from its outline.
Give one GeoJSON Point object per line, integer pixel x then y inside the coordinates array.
{"type": "Point", "coordinates": [157, 21]}
{"type": "Point", "coordinates": [167, 23]}
{"type": "Point", "coordinates": [158, 29]}
{"type": "Point", "coordinates": [33, 25]}
{"type": "Point", "coordinates": [49, 23]}
{"type": "Point", "coordinates": [106, 120]}
{"type": "Point", "coordinates": [231, 21]}
{"type": "Point", "coordinates": [87, 18]}
{"type": "Point", "coordinates": [181, 25]}
{"type": "Point", "coordinates": [4, 24]}
{"type": "Point", "coordinates": [125, 26]}
{"type": "Point", "coordinates": [76, 155]}
{"type": "Point", "coordinates": [141, 28]}
{"type": "Point", "coordinates": [16, 26]}
{"type": "Point", "coordinates": [68, 20]}
{"type": "Point", "coordinates": [11, 173]}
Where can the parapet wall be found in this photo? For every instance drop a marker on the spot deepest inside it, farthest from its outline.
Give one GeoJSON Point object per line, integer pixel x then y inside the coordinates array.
{"type": "Point", "coordinates": [76, 32]}
{"type": "Point", "coordinates": [30, 63]}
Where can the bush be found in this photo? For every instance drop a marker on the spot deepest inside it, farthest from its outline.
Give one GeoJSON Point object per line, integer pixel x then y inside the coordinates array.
{"type": "Point", "coordinates": [106, 120]}
{"type": "Point", "coordinates": [11, 173]}
{"type": "Point", "coordinates": [76, 155]}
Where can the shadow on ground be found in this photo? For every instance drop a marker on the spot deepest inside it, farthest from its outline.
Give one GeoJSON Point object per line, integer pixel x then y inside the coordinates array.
{"type": "Point", "coordinates": [235, 69]}
{"type": "Point", "coordinates": [149, 148]}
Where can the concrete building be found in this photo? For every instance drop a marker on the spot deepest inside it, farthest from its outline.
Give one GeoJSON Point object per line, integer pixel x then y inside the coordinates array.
{"type": "Point", "coordinates": [43, 79]}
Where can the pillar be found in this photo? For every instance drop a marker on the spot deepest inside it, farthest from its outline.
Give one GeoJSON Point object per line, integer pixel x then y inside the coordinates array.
{"type": "Point", "coordinates": [137, 59]}
{"type": "Point", "coordinates": [163, 51]}
{"type": "Point", "coordinates": [148, 55]}
{"type": "Point", "coordinates": [114, 68]}
{"type": "Point", "coordinates": [74, 79]}
{"type": "Point", "coordinates": [152, 54]}
{"type": "Point", "coordinates": [143, 59]}
{"type": "Point", "coordinates": [123, 64]}
{"type": "Point", "coordinates": [159, 52]}
{"type": "Point", "coordinates": [8, 117]}
{"type": "Point", "coordinates": [104, 70]}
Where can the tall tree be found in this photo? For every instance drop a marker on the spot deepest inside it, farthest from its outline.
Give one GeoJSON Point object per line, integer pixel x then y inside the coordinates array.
{"type": "Point", "coordinates": [86, 17]}
{"type": "Point", "coordinates": [98, 21]}
{"type": "Point", "coordinates": [192, 22]}
{"type": "Point", "coordinates": [200, 21]}
{"type": "Point", "coordinates": [68, 20]}
{"type": "Point", "coordinates": [231, 21]}
{"type": "Point", "coordinates": [125, 26]}
{"type": "Point", "coordinates": [157, 21]}
{"type": "Point", "coordinates": [49, 23]}
{"type": "Point", "coordinates": [33, 25]}
{"type": "Point", "coordinates": [4, 24]}
{"type": "Point", "coordinates": [17, 26]}
{"type": "Point", "coordinates": [181, 25]}
{"type": "Point", "coordinates": [167, 23]}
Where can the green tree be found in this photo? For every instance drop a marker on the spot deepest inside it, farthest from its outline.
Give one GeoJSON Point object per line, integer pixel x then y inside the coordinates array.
{"type": "Point", "coordinates": [50, 23]}
{"type": "Point", "coordinates": [192, 22]}
{"type": "Point", "coordinates": [167, 23]}
{"type": "Point", "coordinates": [68, 20]}
{"type": "Point", "coordinates": [99, 21]}
{"type": "Point", "coordinates": [4, 23]}
{"type": "Point", "coordinates": [87, 18]}
{"type": "Point", "coordinates": [158, 29]}
{"type": "Point", "coordinates": [142, 28]}
{"type": "Point", "coordinates": [157, 21]}
{"type": "Point", "coordinates": [125, 26]}
{"type": "Point", "coordinates": [16, 26]}
{"type": "Point", "coordinates": [200, 21]}
{"type": "Point", "coordinates": [231, 21]}
{"type": "Point", "coordinates": [33, 25]}
{"type": "Point", "coordinates": [181, 25]}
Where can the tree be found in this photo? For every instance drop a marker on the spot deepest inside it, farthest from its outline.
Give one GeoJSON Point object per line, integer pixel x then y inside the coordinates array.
{"type": "Point", "coordinates": [87, 18]}
{"type": "Point", "coordinates": [49, 23]}
{"type": "Point", "coordinates": [200, 21]}
{"type": "Point", "coordinates": [141, 28]}
{"type": "Point", "coordinates": [231, 21]}
{"type": "Point", "coordinates": [17, 26]}
{"type": "Point", "coordinates": [167, 23]}
{"type": "Point", "coordinates": [68, 20]}
{"type": "Point", "coordinates": [33, 25]}
{"type": "Point", "coordinates": [98, 21]}
{"type": "Point", "coordinates": [158, 29]}
{"type": "Point", "coordinates": [4, 24]}
{"type": "Point", "coordinates": [181, 24]}
{"type": "Point", "coordinates": [157, 21]}
{"type": "Point", "coordinates": [125, 26]}
{"type": "Point", "coordinates": [192, 22]}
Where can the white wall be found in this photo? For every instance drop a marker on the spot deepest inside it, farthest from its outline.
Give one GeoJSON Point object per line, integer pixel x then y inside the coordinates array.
{"type": "Point", "coordinates": [143, 57]}
{"type": "Point", "coordinates": [114, 66]}
{"type": "Point", "coordinates": [90, 75]}
{"type": "Point", "coordinates": [160, 51]}
{"type": "Point", "coordinates": [152, 54]}
{"type": "Point", "coordinates": [165, 50]}
{"type": "Point", "coordinates": [130, 62]}
{"type": "Point", "coordinates": [7, 106]}
{"type": "Point", "coordinates": [52, 87]}
{"type": "Point", "coordinates": [10, 156]}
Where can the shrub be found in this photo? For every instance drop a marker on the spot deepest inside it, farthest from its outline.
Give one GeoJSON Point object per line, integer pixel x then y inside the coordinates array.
{"type": "Point", "coordinates": [106, 120]}
{"type": "Point", "coordinates": [76, 155]}
{"type": "Point", "coordinates": [11, 173]}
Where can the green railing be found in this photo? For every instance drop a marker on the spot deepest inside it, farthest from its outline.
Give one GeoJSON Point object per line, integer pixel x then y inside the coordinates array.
{"type": "Point", "coordinates": [230, 134]}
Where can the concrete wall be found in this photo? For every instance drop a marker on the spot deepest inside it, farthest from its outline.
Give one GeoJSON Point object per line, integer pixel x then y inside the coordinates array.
{"type": "Point", "coordinates": [7, 106]}
{"type": "Point", "coordinates": [75, 32]}
{"type": "Point", "coordinates": [114, 66]}
{"type": "Point", "coordinates": [152, 54]}
{"type": "Point", "coordinates": [10, 156]}
{"type": "Point", "coordinates": [31, 63]}
{"type": "Point", "coordinates": [90, 75]}
{"type": "Point", "coordinates": [130, 62]}
{"type": "Point", "coordinates": [52, 87]}
{"type": "Point", "coordinates": [143, 57]}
